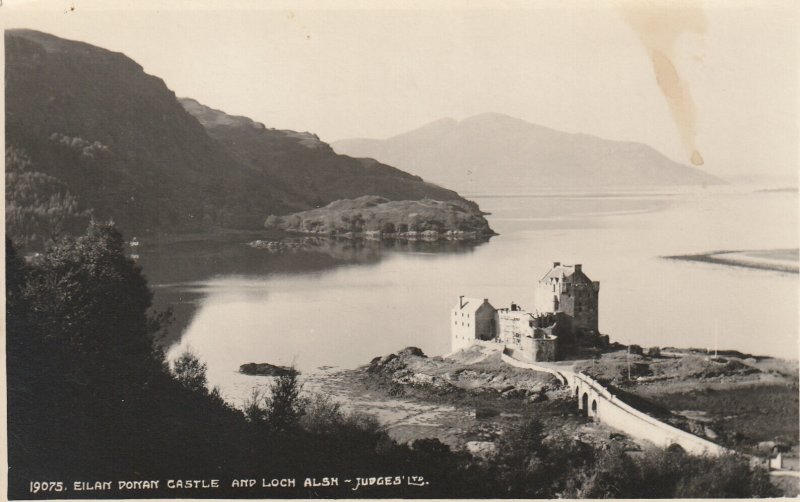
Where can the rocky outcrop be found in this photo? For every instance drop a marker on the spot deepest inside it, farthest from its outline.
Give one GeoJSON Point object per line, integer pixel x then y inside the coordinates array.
{"type": "Point", "coordinates": [265, 369]}
{"type": "Point", "coordinates": [410, 371]}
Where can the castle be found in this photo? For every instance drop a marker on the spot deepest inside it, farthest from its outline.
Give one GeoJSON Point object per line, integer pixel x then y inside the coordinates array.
{"type": "Point", "coordinates": [566, 309]}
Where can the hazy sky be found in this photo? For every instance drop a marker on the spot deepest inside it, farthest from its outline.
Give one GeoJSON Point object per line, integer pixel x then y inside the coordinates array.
{"type": "Point", "coordinates": [367, 71]}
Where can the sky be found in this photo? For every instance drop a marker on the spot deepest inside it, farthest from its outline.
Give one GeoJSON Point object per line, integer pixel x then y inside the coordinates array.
{"type": "Point", "coordinates": [719, 78]}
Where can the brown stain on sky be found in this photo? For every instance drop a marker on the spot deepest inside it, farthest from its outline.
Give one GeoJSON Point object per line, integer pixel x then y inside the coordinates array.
{"type": "Point", "coordinates": [658, 24]}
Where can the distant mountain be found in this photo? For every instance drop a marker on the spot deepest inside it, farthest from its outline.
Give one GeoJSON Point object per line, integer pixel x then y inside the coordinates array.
{"type": "Point", "coordinates": [492, 150]}
{"type": "Point", "coordinates": [99, 135]}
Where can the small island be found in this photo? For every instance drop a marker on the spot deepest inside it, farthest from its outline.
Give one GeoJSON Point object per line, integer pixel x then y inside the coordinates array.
{"type": "Point", "coordinates": [266, 369]}
{"type": "Point", "coordinates": [377, 218]}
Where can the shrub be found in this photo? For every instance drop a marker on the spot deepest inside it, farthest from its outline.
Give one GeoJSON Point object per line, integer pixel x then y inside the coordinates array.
{"type": "Point", "coordinates": [190, 372]}
{"type": "Point", "coordinates": [673, 473]}
{"type": "Point", "coordinates": [322, 415]}
{"type": "Point", "coordinates": [284, 406]}
{"type": "Point", "coordinates": [253, 406]}
{"type": "Point", "coordinates": [613, 476]}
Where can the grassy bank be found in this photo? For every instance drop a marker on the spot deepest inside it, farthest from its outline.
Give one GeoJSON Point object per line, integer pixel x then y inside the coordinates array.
{"type": "Point", "coordinates": [737, 400]}
{"type": "Point", "coordinates": [475, 397]}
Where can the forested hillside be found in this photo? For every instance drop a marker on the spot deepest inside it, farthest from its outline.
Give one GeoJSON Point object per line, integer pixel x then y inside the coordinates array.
{"type": "Point", "coordinates": [309, 168]}
{"type": "Point", "coordinates": [115, 141]}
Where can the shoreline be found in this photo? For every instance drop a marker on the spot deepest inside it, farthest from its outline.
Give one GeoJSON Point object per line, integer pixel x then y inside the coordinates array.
{"type": "Point", "coordinates": [744, 259]}
{"type": "Point", "coordinates": [674, 387]}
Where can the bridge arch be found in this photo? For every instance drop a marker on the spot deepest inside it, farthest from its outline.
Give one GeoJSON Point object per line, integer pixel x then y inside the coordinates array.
{"type": "Point", "coordinates": [591, 396]}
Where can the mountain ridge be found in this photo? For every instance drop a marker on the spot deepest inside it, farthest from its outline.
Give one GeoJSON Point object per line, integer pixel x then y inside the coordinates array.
{"type": "Point", "coordinates": [307, 166]}
{"type": "Point", "coordinates": [486, 148]}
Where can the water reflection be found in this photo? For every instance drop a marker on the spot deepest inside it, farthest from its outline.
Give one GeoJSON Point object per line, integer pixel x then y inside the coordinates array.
{"type": "Point", "coordinates": [343, 302]}
{"type": "Point", "coordinates": [182, 273]}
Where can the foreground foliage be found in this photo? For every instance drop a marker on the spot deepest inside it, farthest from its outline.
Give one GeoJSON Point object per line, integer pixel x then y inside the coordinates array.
{"type": "Point", "coordinates": [39, 208]}
{"type": "Point", "coordinates": [90, 398]}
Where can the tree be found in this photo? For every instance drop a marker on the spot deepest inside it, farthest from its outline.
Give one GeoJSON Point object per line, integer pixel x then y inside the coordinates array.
{"type": "Point", "coordinates": [87, 294]}
{"type": "Point", "coordinates": [190, 372]}
{"type": "Point", "coordinates": [80, 357]}
{"type": "Point", "coordinates": [284, 405]}
{"type": "Point", "coordinates": [519, 461]}
{"type": "Point", "coordinates": [322, 415]}
{"type": "Point", "coordinates": [357, 223]}
{"type": "Point", "coordinates": [613, 476]}
{"type": "Point", "coordinates": [16, 276]}
{"type": "Point", "coordinates": [253, 407]}
{"type": "Point", "coordinates": [414, 223]}
{"type": "Point", "coordinates": [39, 208]}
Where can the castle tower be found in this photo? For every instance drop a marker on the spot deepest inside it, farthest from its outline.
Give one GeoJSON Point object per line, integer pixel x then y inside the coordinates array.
{"type": "Point", "coordinates": [565, 288]}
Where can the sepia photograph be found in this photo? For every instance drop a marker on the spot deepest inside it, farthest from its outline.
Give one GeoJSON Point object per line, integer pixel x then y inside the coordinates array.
{"type": "Point", "coordinates": [457, 249]}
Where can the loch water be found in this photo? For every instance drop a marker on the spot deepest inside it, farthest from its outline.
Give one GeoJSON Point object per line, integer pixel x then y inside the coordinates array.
{"type": "Point", "coordinates": [341, 303]}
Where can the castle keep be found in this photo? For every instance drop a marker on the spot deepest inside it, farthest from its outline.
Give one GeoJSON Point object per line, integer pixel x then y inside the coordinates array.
{"type": "Point", "coordinates": [565, 288]}
{"type": "Point", "coordinates": [566, 307]}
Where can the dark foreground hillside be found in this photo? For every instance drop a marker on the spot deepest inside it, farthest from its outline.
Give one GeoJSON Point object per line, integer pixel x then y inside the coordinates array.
{"type": "Point", "coordinates": [91, 128]}
{"type": "Point", "coordinates": [91, 404]}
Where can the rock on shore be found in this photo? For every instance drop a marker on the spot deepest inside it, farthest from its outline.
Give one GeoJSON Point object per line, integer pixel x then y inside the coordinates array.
{"type": "Point", "coordinates": [265, 369]}
{"type": "Point", "coordinates": [474, 371]}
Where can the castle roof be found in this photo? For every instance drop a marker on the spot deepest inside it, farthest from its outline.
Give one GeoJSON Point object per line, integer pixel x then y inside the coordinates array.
{"type": "Point", "coordinates": [468, 304]}
{"type": "Point", "coordinates": [566, 273]}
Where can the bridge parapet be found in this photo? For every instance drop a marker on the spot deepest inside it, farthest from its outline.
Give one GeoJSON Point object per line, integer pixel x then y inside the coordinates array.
{"type": "Point", "coordinates": [599, 403]}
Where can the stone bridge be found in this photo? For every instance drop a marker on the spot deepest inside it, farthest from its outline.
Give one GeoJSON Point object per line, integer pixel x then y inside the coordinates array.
{"type": "Point", "coordinates": [601, 405]}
